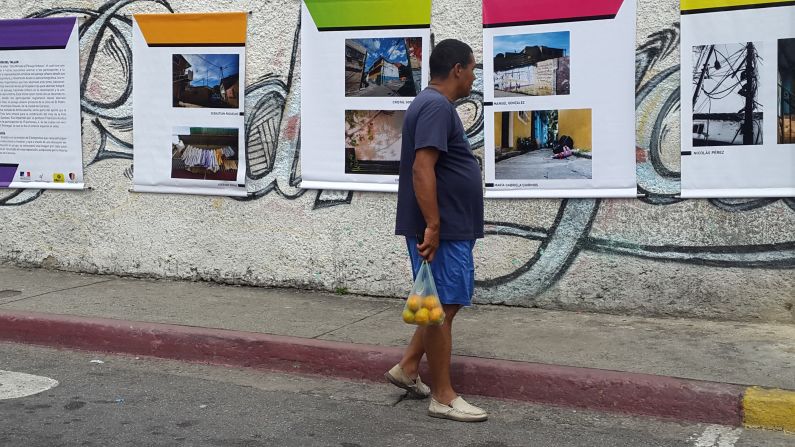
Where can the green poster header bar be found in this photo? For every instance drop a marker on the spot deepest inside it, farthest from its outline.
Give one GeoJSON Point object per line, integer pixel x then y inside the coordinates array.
{"type": "Point", "coordinates": [369, 14]}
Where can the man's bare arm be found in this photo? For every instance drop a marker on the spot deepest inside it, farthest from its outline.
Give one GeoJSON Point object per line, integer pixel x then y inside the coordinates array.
{"type": "Point", "coordinates": [424, 175]}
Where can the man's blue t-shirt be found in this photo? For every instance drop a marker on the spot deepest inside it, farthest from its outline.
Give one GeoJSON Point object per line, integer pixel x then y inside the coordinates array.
{"type": "Point", "coordinates": [432, 122]}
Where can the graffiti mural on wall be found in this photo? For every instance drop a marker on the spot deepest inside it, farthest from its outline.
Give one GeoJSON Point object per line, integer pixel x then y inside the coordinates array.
{"type": "Point", "coordinates": [273, 139]}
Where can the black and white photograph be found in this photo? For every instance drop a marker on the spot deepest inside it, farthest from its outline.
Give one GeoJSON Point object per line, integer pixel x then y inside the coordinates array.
{"type": "Point", "coordinates": [726, 86]}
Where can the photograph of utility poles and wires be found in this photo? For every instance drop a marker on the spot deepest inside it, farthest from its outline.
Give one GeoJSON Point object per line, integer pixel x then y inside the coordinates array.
{"type": "Point", "coordinates": [206, 80]}
{"type": "Point", "coordinates": [726, 88]}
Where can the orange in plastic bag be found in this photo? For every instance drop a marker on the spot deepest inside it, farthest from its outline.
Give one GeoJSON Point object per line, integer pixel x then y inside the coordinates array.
{"type": "Point", "coordinates": [423, 306]}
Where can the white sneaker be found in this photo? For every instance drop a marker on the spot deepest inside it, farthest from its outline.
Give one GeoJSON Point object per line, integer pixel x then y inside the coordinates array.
{"type": "Point", "coordinates": [400, 379]}
{"type": "Point", "coordinates": [458, 410]}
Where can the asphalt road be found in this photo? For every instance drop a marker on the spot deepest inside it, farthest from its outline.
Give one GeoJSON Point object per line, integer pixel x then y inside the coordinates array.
{"type": "Point", "coordinates": [128, 401]}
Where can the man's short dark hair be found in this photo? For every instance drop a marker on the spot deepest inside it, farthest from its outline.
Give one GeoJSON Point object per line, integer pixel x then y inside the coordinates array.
{"type": "Point", "coordinates": [446, 54]}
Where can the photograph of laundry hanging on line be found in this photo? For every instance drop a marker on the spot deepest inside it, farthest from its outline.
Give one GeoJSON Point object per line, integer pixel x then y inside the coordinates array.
{"type": "Point", "coordinates": [206, 80]}
{"type": "Point", "coordinates": [204, 153]}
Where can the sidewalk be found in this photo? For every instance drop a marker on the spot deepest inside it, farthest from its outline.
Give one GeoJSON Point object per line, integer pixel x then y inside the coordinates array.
{"type": "Point", "coordinates": [689, 369]}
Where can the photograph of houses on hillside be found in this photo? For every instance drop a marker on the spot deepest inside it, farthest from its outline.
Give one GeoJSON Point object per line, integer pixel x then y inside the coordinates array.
{"type": "Point", "coordinates": [382, 67]}
{"type": "Point", "coordinates": [726, 85]}
{"type": "Point", "coordinates": [206, 80]}
{"type": "Point", "coordinates": [531, 64]}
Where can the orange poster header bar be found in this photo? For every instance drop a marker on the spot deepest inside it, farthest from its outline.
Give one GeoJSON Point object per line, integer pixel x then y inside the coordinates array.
{"type": "Point", "coordinates": [210, 29]}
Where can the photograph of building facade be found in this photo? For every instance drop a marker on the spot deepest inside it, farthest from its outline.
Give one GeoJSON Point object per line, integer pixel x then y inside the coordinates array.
{"type": "Point", "coordinates": [383, 72]}
{"type": "Point", "coordinates": [726, 87]}
{"type": "Point", "coordinates": [205, 80]}
{"type": "Point", "coordinates": [786, 91]}
{"type": "Point", "coordinates": [373, 141]}
{"type": "Point", "coordinates": [383, 67]}
{"type": "Point", "coordinates": [355, 59]}
{"type": "Point", "coordinates": [230, 90]}
{"type": "Point", "coordinates": [543, 144]}
{"type": "Point", "coordinates": [531, 65]}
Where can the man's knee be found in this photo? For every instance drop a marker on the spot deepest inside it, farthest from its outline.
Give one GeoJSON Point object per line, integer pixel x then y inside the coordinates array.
{"type": "Point", "coordinates": [450, 310]}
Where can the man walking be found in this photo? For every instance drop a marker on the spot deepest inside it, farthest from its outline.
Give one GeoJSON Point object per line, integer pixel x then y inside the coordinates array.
{"type": "Point", "coordinates": [440, 212]}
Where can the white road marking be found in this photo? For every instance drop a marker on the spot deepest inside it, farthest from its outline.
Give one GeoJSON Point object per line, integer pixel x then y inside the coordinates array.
{"type": "Point", "coordinates": [718, 436]}
{"type": "Point", "coordinates": [14, 385]}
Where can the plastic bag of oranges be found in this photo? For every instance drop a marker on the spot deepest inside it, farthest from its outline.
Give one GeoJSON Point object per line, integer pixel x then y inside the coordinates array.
{"type": "Point", "coordinates": [423, 306]}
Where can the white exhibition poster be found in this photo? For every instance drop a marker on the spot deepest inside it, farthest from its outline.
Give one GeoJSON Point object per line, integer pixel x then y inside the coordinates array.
{"type": "Point", "coordinates": [188, 111]}
{"type": "Point", "coordinates": [40, 145]}
{"type": "Point", "coordinates": [559, 88]}
{"type": "Point", "coordinates": [360, 69]}
{"type": "Point", "coordinates": [738, 102]}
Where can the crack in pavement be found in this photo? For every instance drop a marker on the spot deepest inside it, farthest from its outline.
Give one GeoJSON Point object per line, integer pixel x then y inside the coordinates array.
{"type": "Point", "coordinates": [352, 323]}
{"type": "Point", "coordinates": [57, 291]}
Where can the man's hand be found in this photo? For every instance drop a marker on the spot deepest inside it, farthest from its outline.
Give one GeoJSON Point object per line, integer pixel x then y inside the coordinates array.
{"type": "Point", "coordinates": [430, 244]}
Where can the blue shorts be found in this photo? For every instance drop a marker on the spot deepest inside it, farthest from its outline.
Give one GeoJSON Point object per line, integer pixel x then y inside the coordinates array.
{"type": "Point", "coordinates": [453, 270]}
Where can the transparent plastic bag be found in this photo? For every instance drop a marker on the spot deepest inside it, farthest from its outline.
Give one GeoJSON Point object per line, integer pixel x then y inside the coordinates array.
{"type": "Point", "coordinates": [423, 306]}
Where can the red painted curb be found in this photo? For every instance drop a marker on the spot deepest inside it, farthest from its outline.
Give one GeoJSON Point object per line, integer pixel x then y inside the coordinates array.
{"type": "Point", "coordinates": [645, 394]}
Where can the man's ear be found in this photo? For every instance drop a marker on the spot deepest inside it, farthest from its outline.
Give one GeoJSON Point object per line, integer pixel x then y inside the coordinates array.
{"type": "Point", "coordinates": [457, 68]}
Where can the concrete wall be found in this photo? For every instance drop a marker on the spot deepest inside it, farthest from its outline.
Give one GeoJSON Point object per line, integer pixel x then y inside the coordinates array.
{"type": "Point", "coordinates": [659, 255]}
{"type": "Point", "coordinates": [576, 123]}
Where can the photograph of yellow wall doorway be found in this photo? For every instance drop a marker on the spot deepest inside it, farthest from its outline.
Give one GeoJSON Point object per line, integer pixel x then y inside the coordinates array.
{"type": "Point", "coordinates": [543, 145]}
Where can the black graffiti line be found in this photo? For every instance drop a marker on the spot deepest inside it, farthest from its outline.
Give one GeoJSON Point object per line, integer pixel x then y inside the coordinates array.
{"type": "Point", "coordinates": [656, 138]}
{"type": "Point", "coordinates": [267, 113]}
{"type": "Point", "coordinates": [109, 11]}
{"type": "Point", "coordinates": [102, 152]}
{"type": "Point", "coordinates": [659, 46]}
{"type": "Point", "coordinates": [511, 229]}
{"type": "Point", "coordinates": [7, 201]}
{"type": "Point", "coordinates": [104, 20]}
{"type": "Point", "coordinates": [653, 83]}
{"type": "Point", "coordinates": [322, 204]}
{"type": "Point", "coordinates": [562, 264]}
{"type": "Point", "coordinates": [295, 179]}
{"type": "Point", "coordinates": [653, 198]}
{"type": "Point", "coordinates": [124, 97]}
{"type": "Point", "coordinates": [734, 206]}
{"type": "Point", "coordinates": [747, 256]}
{"type": "Point", "coordinates": [112, 48]}
{"type": "Point", "coordinates": [478, 125]}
